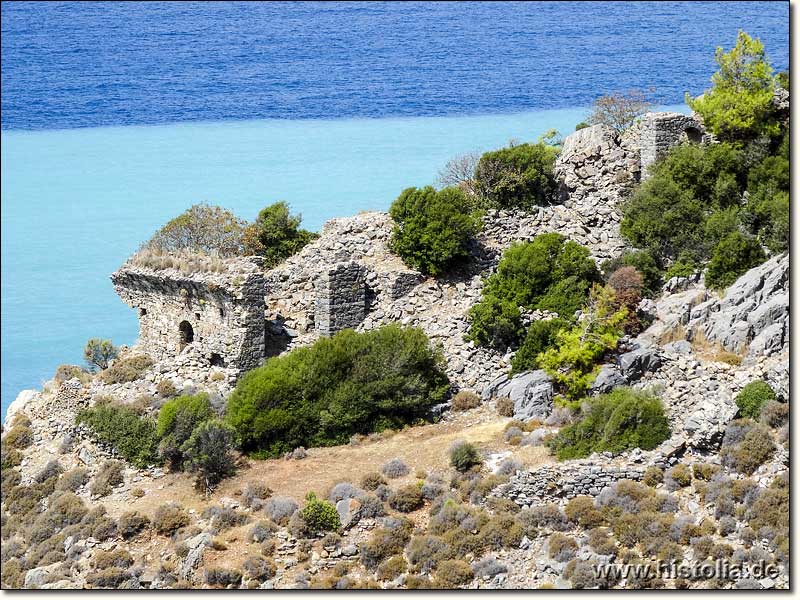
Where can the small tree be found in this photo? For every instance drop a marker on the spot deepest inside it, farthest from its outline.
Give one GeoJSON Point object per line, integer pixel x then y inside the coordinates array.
{"type": "Point", "coordinates": [99, 353]}
{"type": "Point", "coordinates": [464, 456]}
{"type": "Point", "coordinates": [276, 234]}
{"type": "Point", "coordinates": [202, 228]}
{"type": "Point", "coordinates": [208, 453]}
{"type": "Point", "coordinates": [177, 419]}
{"type": "Point", "coordinates": [732, 257]}
{"type": "Point", "coordinates": [619, 111]}
{"type": "Point", "coordinates": [319, 515]}
{"type": "Point", "coordinates": [519, 176]}
{"type": "Point", "coordinates": [460, 172]}
{"type": "Point", "coordinates": [739, 104]}
{"type": "Point", "coordinates": [433, 228]}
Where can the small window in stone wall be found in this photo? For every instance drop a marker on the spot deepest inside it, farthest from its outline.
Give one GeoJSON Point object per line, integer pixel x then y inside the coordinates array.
{"type": "Point", "coordinates": [221, 312]}
{"type": "Point", "coordinates": [197, 316]}
{"type": "Point", "coordinates": [142, 312]}
{"type": "Point", "coordinates": [186, 333]}
{"type": "Point", "coordinates": [216, 360]}
{"type": "Point", "coordinates": [694, 135]}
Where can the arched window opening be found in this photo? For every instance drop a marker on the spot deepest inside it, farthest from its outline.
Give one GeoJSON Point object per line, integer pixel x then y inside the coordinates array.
{"type": "Point", "coordinates": [216, 360]}
{"type": "Point", "coordinates": [186, 333]}
{"type": "Point", "coordinates": [694, 135]}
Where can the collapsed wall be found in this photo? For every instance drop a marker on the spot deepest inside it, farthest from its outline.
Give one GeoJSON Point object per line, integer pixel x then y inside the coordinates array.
{"type": "Point", "coordinates": [220, 315]}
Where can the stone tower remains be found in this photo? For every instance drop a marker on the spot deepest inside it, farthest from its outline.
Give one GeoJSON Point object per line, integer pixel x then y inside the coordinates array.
{"type": "Point", "coordinates": [663, 130]}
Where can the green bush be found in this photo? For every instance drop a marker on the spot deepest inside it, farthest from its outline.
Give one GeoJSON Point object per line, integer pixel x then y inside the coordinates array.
{"type": "Point", "coordinates": [614, 422]}
{"type": "Point", "coordinates": [548, 273]}
{"type": "Point", "coordinates": [276, 235]}
{"type": "Point", "coordinates": [753, 397]}
{"type": "Point", "coordinates": [464, 456]}
{"type": "Point", "coordinates": [201, 228]}
{"type": "Point", "coordinates": [319, 515]}
{"type": "Point", "coordinates": [98, 353]}
{"type": "Point", "coordinates": [125, 370]}
{"type": "Point", "coordinates": [169, 518]}
{"type": "Point", "coordinates": [452, 574]}
{"type": "Point", "coordinates": [573, 361]}
{"type": "Point", "coordinates": [735, 254]}
{"type": "Point", "coordinates": [349, 383]}
{"type": "Point", "coordinates": [177, 419]}
{"type": "Point", "coordinates": [739, 104]}
{"type": "Point", "coordinates": [406, 499]}
{"type": "Point", "coordinates": [207, 453]}
{"type": "Point", "coordinates": [540, 337]}
{"type": "Point", "coordinates": [109, 476]}
{"type": "Point", "coordinates": [519, 176]}
{"type": "Point", "coordinates": [433, 229]}
{"type": "Point", "coordinates": [754, 449]}
{"type": "Point", "coordinates": [134, 437]}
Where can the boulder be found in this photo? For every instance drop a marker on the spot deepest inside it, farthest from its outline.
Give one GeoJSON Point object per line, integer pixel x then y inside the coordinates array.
{"type": "Point", "coordinates": [23, 399]}
{"type": "Point", "coordinates": [197, 546]}
{"type": "Point", "coordinates": [634, 364]}
{"type": "Point", "coordinates": [38, 577]}
{"type": "Point", "coordinates": [705, 427]}
{"type": "Point", "coordinates": [349, 511]}
{"type": "Point", "coordinates": [531, 393]}
{"type": "Point", "coordinates": [607, 379]}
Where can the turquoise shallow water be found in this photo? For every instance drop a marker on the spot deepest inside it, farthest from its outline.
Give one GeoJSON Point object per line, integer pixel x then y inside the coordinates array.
{"type": "Point", "coordinates": [76, 203]}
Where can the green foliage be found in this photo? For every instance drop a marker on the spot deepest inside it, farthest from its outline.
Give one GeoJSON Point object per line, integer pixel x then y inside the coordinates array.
{"type": "Point", "coordinates": [573, 361]}
{"type": "Point", "coordinates": [614, 422]}
{"type": "Point", "coordinates": [349, 383]}
{"type": "Point", "coordinates": [548, 273]}
{"type": "Point", "coordinates": [783, 79]}
{"type": "Point", "coordinates": [540, 337]}
{"type": "Point", "coordinates": [735, 254]}
{"type": "Point", "coordinates": [208, 453]}
{"type": "Point", "coordinates": [203, 229]}
{"type": "Point", "coordinates": [98, 353]}
{"type": "Point", "coordinates": [433, 229]}
{"type": "Point", "coordinates": [406, 499]}
{"type": "Point", "coordinates": [739, 104]}
{"type": "Point", "coordinates": [581, 125]}
{"type": "Point", "coordinates": [134, 437]}
{"type": "Point", "coordinates": [753, 397]}
{"type": "Point", "coordinates": [683, 267]}
{"type": "Point", "coordinates": [319, 515]}
{"type": "Point", "coordinates": [276, 234]}
{"type": "Point", "coordinates": [520, 176]}
{"type": "Point", "coordinates": [767, 209]}
{"type": "Point", "coordinates": [643, 262]}
{"type": "Point", "coordinates": [176, 421]}
{"type": "Point", "coordinates": [464, 456]}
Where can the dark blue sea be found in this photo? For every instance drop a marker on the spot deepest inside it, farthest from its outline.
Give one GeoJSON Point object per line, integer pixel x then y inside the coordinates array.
{"type": "Point", "coordinates": [118, 116]}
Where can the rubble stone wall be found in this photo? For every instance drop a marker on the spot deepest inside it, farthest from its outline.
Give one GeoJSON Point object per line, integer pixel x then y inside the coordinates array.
{"type": "Point", "coordinates": [661, 131]}
{"type": "Point", "coordinates": [341, 298]}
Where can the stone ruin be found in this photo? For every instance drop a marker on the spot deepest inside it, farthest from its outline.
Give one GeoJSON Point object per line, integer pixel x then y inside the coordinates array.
{"type": "Point", "coordinates": [661, 131]}
{"type": "Point", "coordinates": [341, 298]}
{"type": "Point", "coordinates": [219, 314]}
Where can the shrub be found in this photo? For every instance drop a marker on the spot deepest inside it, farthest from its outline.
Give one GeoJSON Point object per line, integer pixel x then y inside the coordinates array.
{"type": "Point", "coordinates": [488, 567]}
{"type": "Point", "coordinates": [105, 559]}
{"type": "Point", "coordinates": [383, 543]}
{"type": "Point", "coordinates": [504, 407]}
{"type": "Point", "coordinates": [581, 510]}
{"type": "Point", "coordinates": [169, 518]}
{"type": "Point", "coordinates": [548, 273]}
{"type": "Point", "coordinates": [735, 254]}
{"type": "Point", "coordinates": [111, 578]}
{"type": "Point", "coordinates": [51, 469]}
{"type": "Point", "coordinates": [223, 577]}
{"type": "Point", "coordinates": [501, 531]}
{"type": "Point", "coordinates": [343, 490]}
{"type": "Point", "coordinates": [276, 235]}
{"type": "Point", "coordinates": [279, 509]}
{"type": "Point", "coordinates": [166, 389]}
{"type": "Point", "coordinates": [67, 372]}
{"type": "Point", "coordinates": [392, 568]}
{"type": "Point", "coordinates": [739, 104]}
{"type": "Point", "coordinates": [509, 466]}
{"type": "Point", "coordinates": [619, 111]}
{"type": "Point", "coordinates": [678, 476]}
{"type": "Point", "coordinates": [433, 229]}
{"type": "Point", "coordinates": [349, 383]}
{"type": "Point", "coordinates": [540, 337]}
{"type": "Point", "coordinates": [319, 515]}
{"type": "Point", "coordinates": [64, 509]}
{"type": "Point", "coordinates": [259, 569]}
{"type": "Point", "coordinates": [614, 422]}
{"type": "Point", "coordinates": [406, 499]}
{"type": "Point", "coordinates": [253, 492]}
{"type": "Point", "coordinates": [561, 547]}
{"type": "Point", "coordinates": [395, 468]}
{"type": "Point", "coordinates": [131, 523]}
{"type": "Point", "coordinates": [704, 471]}
{"type": "Point", "coordinates": [125, 370]}
{"type": "Point", "coordinates": [224, 517]}
{"type": "Point", "coordinates": [427, 551]}
{"type": "Point", "coordinates": [753, 451]}
{"type": "Point", "coordinates": [202, 229]}
{"type": "Point", "coordinates": [775, 414]}
{"type": "Point", "coordinates": [99, 353]}
{"type": "Point", "coordinates": [452, 574]}
{"type": "Point", "coordinates": [549, 516]}
{"type": "Point", "coordinates": [464, 456]}
{"type": "Point", "coordinates": [653, 476]}
{"type": "Point", "coordinates": [372, 480]}
{"type": "Point", "coordinates": [120, 426]}
{"type": "Point", "coordinates": [177, 418]}
{"type": "Point", "coordinates": [520, 176]}
{"type": "Point", "coordinates": [465, 400]}
{"type": "Point", "coordinates": [753, 397]}
{"type": "Point", "coordinates": [208, 453]}
{"type": "Point", "coordinates": [20, 436]}
{"type": "Point", "coordinates": [109, 476]}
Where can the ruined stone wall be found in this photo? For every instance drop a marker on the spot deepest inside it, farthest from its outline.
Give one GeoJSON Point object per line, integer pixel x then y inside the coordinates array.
{"type": "Point", "coordinates": [661, 131]}
{"type": "Point", "coordinates": [222, 313]}
{"type": "Point", "coordinates": [341, 299]}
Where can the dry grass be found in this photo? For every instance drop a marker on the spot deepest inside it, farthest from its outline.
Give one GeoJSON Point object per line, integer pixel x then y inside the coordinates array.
{"type": "Point", "coordinates": [185, 262]}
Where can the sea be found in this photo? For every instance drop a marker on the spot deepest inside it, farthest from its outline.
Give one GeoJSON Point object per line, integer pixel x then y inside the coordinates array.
{"type": "Point", "coordinates": [118, 116]}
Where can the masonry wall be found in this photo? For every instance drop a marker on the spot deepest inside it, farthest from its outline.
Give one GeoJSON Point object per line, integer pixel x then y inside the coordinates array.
{"type": "Point", "coordinates": [341, 301]}
{"type": "Point", "coordinates": [662, 131]}
{"type": "Point", "coordinates": [224, 311]}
